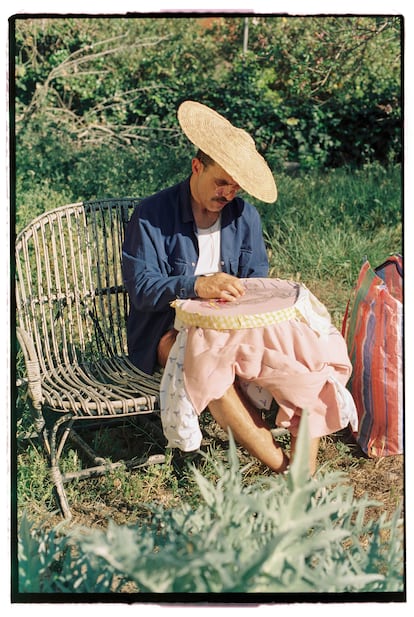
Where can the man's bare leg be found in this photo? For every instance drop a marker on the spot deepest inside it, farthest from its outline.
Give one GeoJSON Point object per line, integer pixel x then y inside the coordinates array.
{"type": "Point", "coordinates": [313, 452]}
{"type": "Point", "coordinates": [248, 428]}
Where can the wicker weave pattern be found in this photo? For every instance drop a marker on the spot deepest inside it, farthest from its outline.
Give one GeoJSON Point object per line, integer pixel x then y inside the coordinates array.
{"type": "Point", "coordinates": [71, 314]}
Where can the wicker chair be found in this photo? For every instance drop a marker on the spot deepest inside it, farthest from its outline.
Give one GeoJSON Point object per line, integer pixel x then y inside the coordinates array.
{"type": "Point", "coordinates": [71, 314]}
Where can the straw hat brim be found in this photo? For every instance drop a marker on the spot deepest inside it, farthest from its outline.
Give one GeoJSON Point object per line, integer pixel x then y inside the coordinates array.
{"type": "Point", "coordinates": [230, 147]}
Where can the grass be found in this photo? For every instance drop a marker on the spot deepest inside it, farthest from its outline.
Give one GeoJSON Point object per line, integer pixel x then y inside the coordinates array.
{"type": "Point", "coordinates": [319, 231]}
{"type": "Point", "coordinates": [125, 496]}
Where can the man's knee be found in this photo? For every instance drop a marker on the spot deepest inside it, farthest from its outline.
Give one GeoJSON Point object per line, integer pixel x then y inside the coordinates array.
{"type": "Point", "coordinates": [164, 346]}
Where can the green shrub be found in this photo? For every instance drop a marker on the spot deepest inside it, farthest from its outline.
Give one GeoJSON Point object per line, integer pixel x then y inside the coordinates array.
{"type": "Point", "coordinates": [49, 563]}
{"type": "Point", "coordinates": [324, 90]}
{"type": "Point", "coordinates": [283, 534]}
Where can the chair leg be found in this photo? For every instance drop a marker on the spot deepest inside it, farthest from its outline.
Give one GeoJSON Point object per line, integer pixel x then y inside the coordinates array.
{"type": "Point", "coordinates": [55, 473]}
{"type": "Point", "coordinates": [75, 438]}
{"type": "Point", "coordinates": [54, 447]}
{"type": "Point", "coordinates": [60, 493]}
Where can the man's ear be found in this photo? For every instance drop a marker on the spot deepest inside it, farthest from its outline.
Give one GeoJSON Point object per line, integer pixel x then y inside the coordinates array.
{"type": "Point", "coordinates": [196, 166]}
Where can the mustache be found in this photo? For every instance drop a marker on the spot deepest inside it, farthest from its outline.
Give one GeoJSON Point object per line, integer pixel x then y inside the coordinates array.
{"type": "Point", "coordinates": [221, 200]}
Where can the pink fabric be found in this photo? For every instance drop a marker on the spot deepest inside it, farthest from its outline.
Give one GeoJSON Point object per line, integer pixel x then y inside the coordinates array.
{"type": "Point", "coordinates": [298, 366]}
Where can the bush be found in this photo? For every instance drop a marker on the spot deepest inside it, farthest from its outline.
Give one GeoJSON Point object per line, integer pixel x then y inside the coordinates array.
{"type": "Point", "coordinates": [283, 534]}
{"type": "Point", "coordinates": [323, 91]}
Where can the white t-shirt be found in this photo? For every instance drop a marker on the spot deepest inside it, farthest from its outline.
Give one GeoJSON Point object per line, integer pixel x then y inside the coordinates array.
{"type": "Point", "coordinates": [209, 244]}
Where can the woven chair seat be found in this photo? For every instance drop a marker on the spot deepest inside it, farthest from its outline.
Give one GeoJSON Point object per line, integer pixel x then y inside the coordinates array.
{"type": "Point", "coordinates": [111, 386]}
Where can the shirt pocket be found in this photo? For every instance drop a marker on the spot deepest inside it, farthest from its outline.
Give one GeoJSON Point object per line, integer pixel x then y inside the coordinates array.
{"type": "Point", "coordinates": [240, 266]}
{"type": "Point", "coordinates": [181, 267]}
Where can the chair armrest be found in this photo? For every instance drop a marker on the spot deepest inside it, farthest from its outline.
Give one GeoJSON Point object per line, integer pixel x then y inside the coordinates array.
{"type": "Point", "coordinates": [34, 381]}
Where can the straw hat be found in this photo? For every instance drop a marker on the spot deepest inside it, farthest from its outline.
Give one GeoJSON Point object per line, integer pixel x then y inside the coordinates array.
{"type": "Point", "coordinates": [230, 147]}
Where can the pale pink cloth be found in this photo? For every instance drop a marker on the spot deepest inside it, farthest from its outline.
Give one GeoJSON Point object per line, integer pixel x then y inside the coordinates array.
{"type": "Point", "coordinates": [299, 367]}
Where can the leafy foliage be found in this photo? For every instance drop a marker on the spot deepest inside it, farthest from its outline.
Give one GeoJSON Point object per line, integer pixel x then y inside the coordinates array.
{"type": "Point", "coordinates": [48, 563]}
{"type": "Point", "coordinates": [288, 533]}
{"type": "Point", "coordinates": [96, 98]}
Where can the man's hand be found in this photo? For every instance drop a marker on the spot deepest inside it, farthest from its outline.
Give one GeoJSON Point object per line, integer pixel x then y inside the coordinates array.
{"type": "Point", "coordinates": [219, 286]}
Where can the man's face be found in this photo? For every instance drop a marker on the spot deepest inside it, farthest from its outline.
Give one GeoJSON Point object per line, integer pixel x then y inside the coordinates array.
{"type": "Point", "coordinates": [212, 188]}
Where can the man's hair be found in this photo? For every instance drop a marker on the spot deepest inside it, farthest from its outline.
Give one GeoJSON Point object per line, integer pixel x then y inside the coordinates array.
{"type": "Point", "coordinates": [204, 158]}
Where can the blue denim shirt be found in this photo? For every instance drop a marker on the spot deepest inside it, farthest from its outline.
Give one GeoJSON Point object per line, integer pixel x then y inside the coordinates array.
{"type": "Point", "coordinates": [160, 254]}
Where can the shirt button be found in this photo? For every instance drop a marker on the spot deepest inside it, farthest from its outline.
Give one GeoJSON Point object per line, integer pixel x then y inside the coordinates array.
{"type": "Point", "coordinates": [193, 263]}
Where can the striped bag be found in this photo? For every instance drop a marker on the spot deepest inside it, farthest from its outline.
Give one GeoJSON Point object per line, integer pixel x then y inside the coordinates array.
{"type": "Point", "coordinates": [372, 328]}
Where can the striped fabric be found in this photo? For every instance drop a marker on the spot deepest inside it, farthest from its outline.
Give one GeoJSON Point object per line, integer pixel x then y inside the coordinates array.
{"type": "Point", "coordinates": [372, 328]}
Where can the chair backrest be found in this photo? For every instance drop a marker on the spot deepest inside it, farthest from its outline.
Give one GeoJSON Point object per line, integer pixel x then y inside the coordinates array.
{"type": "Point", "coordinates": [70, 297]}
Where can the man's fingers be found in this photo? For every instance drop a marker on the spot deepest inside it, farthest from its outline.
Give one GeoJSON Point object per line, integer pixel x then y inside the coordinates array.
{"type": "Point", "coordinates": [231, 293]}
{"type": "Point", "coordinates": [231, 285]}
{"type": "Point", "coordinates": [237, 288]}
{"type": "Point", "coordinates": [221, 285]}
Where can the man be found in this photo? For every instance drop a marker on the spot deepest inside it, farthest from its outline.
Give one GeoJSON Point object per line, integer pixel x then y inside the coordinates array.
{"type": "Point", "coordinates": [196, 240]}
